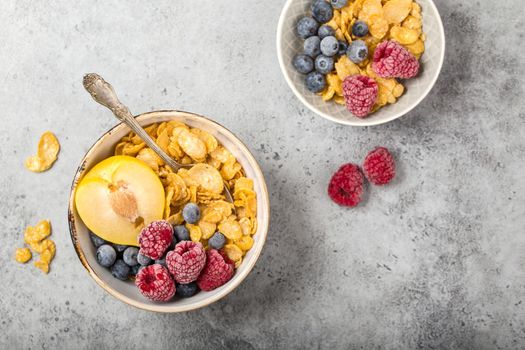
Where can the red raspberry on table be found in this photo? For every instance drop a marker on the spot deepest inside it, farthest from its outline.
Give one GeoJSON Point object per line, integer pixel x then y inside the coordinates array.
{"type": "Point", "coordinates": [379, 166]}
{"type": "Point", "coordinates": [360, 93]}
{"type": "Point", "coordinates": [186, 261]}
{"type": "Point", "coordinates": [218, 270]}
{"type": "Point", "coordinates": [155, 238]}
{"type": "Point", "coordinates": [346, 186]}
{"type": "Point", "coordinates": [391, 60]}
{"type": "Point", "coordinates": [155, 283]}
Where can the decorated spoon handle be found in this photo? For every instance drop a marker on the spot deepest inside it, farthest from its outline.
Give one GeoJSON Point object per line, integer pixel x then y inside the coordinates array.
{"type": "Point", "coordinates": [103, 93]}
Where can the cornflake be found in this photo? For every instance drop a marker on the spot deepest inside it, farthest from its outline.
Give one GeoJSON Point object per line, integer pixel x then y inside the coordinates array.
{"type": "Point", "coordinates": [233, 252]}
{"type": "Point", "coordinates": [23, 255]}
{"type": "Point", "coordinates": [47, 153]}
{"type": "Point", "coordinates": [207, 177]}
{"type": "Point", "coordinates": [36, 237]}
{"type": "Point", "coordinates": [397, 10]}
{"type": "Point", "coordinates": [245, 243]}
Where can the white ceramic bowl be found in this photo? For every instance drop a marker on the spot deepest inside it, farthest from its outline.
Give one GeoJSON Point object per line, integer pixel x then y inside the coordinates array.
{"type": "Point", "coordinates": [126, 291]}
{"type": "Point", "coordinates": [288, 45]}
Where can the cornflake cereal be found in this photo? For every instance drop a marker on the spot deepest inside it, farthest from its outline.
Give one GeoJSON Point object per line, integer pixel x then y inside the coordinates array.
{"type": "Point", "coordinates": [398, 20]}
{"type": "Point", "coordinates": [37, 239]}
{"type": "Point", "coordinates": [48, 148]}
{"type": "Point", "coordinates": [215, 167]}
{"type": "Point", "coordinates": [23, 255]}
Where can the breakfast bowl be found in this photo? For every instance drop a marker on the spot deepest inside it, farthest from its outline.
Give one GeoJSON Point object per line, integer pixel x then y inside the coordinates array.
{"type": "Point", "coordinates": [126, 291]}
{"type": "Point", "coordinates": [416, 89]}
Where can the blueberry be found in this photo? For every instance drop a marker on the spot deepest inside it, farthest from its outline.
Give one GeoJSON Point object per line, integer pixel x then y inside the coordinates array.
{"type": "Point", "coordinates": [120, 248]}
{"type": "Point", "coordinates": [120, 270]}
{"type": "Point", "coordinates": [322, 11]}
{"type": "Point", "coordinates": [312, 46]}
{"type": "Point", "coordinates": [315, 82]}
{"type": "Point", "coordinates": [324, 31]}
{"type": "Point", "coordinates": [181, 233]}
{"type": "Point", "coordinates": [186, 290]}
{"type": "Point", "coordinates": [303, 64]}
{"type": "Point", "coordinates": [324, 64]}
{"type": "Point", "coordinates": [130, 256]}
{"type": "Point", "coordinates": [329, 46]}
{"type": "Point", "coordinates": [357, 51]}
{"type": "Point", "coordinates": [96, 240]}
{"type": "Point", "coordinates": [143, 259]}
{"type": "Point", "coordinates": [191, 213]}
{"type": "Point", "coordinates": [135, 269]}
{"type": "Point", "coordinates": [338, 4]}
{"type": "Point", "coordinates": [217, 241]}
{"type": "Point", "coordinates": [360, 29]}
{"type": "Point", "coordinates": [106, 255]}
{"type": "Point", "coordinates": [306, 27]}
{"type": "Point", "coordinates": [343, 46]}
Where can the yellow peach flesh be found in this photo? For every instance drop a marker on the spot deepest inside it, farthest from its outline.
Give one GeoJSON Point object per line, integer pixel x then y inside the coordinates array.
{"type": "Point", "coordinates": [118, 197]}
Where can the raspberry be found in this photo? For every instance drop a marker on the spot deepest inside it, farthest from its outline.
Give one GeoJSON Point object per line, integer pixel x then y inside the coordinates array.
{"type": "Point", "coordinates": [155, 238]}
{"type": "Point", "coordinates": [346, 185]}
{"type": "Point", "coordinates": [155, 283]}
{"type": "Point", "coordinates": [379, 166]}
{"type": "Point", "coordinates": [218, 270]}
{"type": "Point", "coordinates": [391, 60]}
{"type": "Point", "coordinates": [360, 94]}
{"type": "Point", "coordinates": [186, 261]}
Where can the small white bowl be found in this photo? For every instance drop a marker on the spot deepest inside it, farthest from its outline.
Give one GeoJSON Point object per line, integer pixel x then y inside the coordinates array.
{"type": "Point", "coordinates": [126, 291]}
{"type": "Point", "coordinates": [288, 45]}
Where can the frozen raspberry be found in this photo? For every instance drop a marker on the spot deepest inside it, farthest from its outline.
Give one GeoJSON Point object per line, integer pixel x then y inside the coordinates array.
{"type": "Point", "coordinates": [360, 94]}
{"type": "Point", "coordinates": [379, 166]}
{"type": "Point", "coordinates": [391, 60]}
{"type": "Point", "coordinates": [155, 238]}
{"type": "Point", "coordinates": [155, 283]}
{"type": "Point", "coordinates": [218, 270]}
{"type": "Point", "coordinates": [346, 185]}
{"type": "Point", "coordinates": [186, 261]}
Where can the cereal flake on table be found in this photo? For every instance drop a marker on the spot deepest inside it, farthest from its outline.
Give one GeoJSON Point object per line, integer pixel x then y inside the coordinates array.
{"type": "Point", "coordinates": [36, 237]}
{"type": "Point", "coordinates": [47, 153]}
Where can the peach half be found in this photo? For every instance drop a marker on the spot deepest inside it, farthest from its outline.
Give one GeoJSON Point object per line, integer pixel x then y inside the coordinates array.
{"type": "Point", "coordinates": [117, 197]}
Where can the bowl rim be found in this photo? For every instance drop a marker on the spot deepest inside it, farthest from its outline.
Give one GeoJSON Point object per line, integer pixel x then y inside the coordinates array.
{"type": "Point", "coordinates": [367, 121]}
{"type": "Point", "coordinates": [165, 308]}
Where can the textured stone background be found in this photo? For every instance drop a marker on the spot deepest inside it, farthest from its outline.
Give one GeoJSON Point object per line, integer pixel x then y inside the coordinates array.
{"type": "Point", "coordinates": [435, 260]}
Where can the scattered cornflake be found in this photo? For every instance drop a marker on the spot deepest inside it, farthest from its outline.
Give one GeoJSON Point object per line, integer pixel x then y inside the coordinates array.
{"type": "Point", "coordinates": [47, 153]}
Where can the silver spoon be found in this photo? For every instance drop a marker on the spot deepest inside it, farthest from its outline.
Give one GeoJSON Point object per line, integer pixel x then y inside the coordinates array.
{"type": "Point", "coordinates": [103, 93]}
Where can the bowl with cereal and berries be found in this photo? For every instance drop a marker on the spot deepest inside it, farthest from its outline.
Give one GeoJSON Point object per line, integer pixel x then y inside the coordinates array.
{"type": "Point", "coordinates": [360, 62]}
{"type": "Point", "coordinates": [169, 240]}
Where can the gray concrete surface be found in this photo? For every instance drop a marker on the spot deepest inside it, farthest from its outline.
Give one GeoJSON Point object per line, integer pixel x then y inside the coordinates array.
{"type": "Point", "coordinates": [434, 261]}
